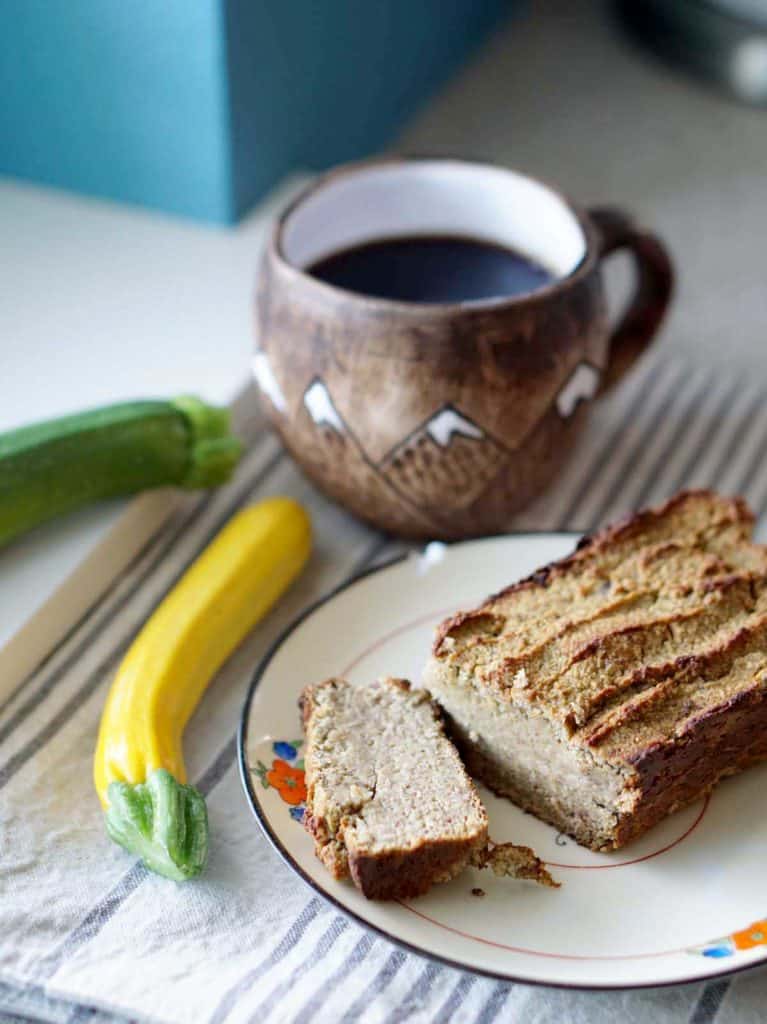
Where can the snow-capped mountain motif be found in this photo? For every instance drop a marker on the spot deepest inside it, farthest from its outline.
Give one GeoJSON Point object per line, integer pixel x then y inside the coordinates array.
{"type": "Point", "coordinates": [447, 454]}
{"type": "Point", "coordinates": [267, 382]}
{"type": "Point", "coordinates": [447, 422]}
{"type": "Point", "coordinates": [335, 459]}
{"type": "Point", "coordinates": [581, 384]}
{"type": "Point", "coordinates": [320, 406]}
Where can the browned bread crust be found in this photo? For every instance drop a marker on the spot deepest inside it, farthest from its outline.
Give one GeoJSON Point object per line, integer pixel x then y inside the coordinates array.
{"type": "Point", "coordinates": [389, 803]}
{"type": "Point", "coordinates": [638, 665]}
{"type": "Point", "coordinates": [359, 800]}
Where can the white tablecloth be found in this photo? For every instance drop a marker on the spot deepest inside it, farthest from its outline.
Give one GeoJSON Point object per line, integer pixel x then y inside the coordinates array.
{"type": "Point", "coordinates": [87, 934]}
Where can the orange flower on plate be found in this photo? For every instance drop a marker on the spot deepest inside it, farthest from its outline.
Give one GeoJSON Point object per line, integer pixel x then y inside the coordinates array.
{"type": "Point", "coordinates": [288, 781]}
{"type": "Point", "coordinates": [754, 935]}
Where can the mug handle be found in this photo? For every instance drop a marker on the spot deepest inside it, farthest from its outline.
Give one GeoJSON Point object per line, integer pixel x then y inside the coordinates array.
{"type": "Point", "coordinates": [655, 282]}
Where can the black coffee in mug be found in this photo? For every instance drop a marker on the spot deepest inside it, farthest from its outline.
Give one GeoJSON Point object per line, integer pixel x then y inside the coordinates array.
{"type": "Point", "coordinates": [431, 268]}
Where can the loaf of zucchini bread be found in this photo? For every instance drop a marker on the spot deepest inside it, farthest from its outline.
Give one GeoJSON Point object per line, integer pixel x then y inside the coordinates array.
{"type": "Point", "coordinates": [388, 800]}
{"type": "Point", "coordinates": [621, 683]}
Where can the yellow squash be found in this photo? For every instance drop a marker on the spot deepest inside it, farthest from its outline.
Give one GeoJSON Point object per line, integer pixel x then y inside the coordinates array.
{"type": "Point", "coordinates": [139, 767]}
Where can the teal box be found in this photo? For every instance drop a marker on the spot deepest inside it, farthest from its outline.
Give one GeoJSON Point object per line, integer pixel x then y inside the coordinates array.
{"type": "Point", "coordinates": [197, 107]}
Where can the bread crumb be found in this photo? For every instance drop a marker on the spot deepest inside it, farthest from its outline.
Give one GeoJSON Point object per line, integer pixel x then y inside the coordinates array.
{"type": "Point", "coordinates": [476, 891]}
{"type": "Point", "coordinates": [520, 679]}
{"type": "Point", "coordinates": [514, 862]}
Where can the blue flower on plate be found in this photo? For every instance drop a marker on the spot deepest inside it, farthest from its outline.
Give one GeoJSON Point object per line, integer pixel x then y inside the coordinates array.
{"type": "Point", "coordinates": [717, 951]}
{"type": "Point", "coordinates": [297, 813]}
{"type": "Point", "coordinates": [284, 749]}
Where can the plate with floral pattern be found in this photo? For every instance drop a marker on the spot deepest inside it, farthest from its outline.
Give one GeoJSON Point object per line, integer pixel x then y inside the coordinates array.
{"type": "Point", "coordinates": [680, 904]}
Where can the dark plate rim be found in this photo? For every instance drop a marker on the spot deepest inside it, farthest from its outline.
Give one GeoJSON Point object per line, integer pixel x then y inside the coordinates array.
{"type": "Point", "coordinates": [286, 856]}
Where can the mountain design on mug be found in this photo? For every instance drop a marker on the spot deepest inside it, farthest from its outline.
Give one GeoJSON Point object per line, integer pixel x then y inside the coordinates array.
{"type": "Point", "coordinates": [337, 458]}
{"type": "Point", "coordinates": [448, 450]}
{"type": "Point", "coordinates": [447, 422]}
{"type": "Point", "coordinates": [262, 371]}
{"type": "Point", "coordinates": [581, 384]}
{"type": "Point", "coordinates": [321, 407]}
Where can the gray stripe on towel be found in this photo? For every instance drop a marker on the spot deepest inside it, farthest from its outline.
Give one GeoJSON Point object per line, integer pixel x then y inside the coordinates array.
{"type": "Point", "coordinates": [152, 553]}
{"type": "Point", "coordinates": [709, 1001]}
{"type": "Point", "coordinates": [612, 438]}
{"type": "Point", "coordinates": [309, 1010]}
{"type": "Point", "coordinates": [290, 939]}
{"type": "Point", "coordinates": [494, 1002]}
{"type": "Point", "coordinates": [377, 986]}
{"type": "Point", "coordinates": [96, 677]}
{"type": "Point", "coordinates": [106, 908]}
{"type": "Point", "coordinates": [322, 947]}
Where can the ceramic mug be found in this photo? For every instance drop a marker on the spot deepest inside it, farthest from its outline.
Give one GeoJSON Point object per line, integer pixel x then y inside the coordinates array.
{"type": "Point", "coordinates": [442, 420]}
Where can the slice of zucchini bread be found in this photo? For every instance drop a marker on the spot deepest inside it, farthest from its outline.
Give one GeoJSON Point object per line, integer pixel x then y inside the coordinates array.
{"type": "Point", "coordinates": [388, 800]}
{"type": "Point", "coordinates": [621, 683]}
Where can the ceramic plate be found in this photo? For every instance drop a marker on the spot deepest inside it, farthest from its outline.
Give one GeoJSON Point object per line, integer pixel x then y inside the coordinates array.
{"type": "Point", "coordinates": [683, 903]}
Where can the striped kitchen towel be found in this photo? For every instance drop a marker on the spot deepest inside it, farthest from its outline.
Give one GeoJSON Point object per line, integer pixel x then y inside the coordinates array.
{"type": "Point", "coordinates": [88, 934]}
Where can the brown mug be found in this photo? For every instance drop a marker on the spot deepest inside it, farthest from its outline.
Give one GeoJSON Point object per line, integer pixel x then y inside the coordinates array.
{"type": "Point", "coordinates": [442, 420]}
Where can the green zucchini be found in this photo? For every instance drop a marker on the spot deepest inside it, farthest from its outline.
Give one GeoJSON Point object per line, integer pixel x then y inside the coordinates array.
{"type": "Point", "coordinates": [49, 469]}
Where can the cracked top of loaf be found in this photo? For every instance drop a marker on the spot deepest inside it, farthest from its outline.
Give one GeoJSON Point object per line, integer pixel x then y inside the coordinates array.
{"type": "Point", "coordinates": [650, 627]}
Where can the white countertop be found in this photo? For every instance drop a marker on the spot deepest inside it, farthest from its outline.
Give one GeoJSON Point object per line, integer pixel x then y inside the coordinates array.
{"type": "Point", "coordinates": [101, 302]}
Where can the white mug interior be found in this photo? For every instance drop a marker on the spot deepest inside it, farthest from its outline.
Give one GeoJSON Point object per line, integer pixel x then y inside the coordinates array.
{"type": "Point", "coordinates": [434, 197]}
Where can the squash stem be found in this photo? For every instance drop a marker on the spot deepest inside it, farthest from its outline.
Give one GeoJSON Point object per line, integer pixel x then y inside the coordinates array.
{"type": "Point", "coordinates": [162, 821]}
{"type": "Point", "coordinates": [213, 453]}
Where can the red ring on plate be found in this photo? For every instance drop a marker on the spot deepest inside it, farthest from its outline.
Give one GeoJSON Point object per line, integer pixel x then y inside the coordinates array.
{"type": "Point", "coordinates": [540, 952]}
{"type": "Point", "coordinates": [435, 616]}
